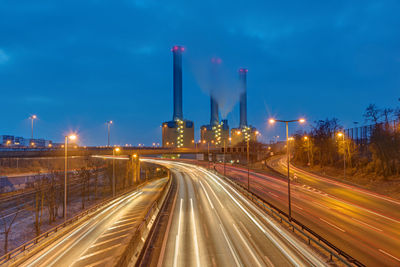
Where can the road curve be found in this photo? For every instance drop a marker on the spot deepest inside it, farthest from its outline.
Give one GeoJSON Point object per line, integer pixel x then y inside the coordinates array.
{"type": "Point", "coordinates": [213, 225]}
{"type": "Point", "coordinates": [99, 239]}
{"type": "Point", "coordinates": [362, 223]}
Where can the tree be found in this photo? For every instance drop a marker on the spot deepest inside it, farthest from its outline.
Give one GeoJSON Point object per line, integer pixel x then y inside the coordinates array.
{"type": "Point", "coordinates": [7, 221]}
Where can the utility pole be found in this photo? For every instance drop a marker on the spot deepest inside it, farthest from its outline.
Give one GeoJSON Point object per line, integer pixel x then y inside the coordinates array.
{"type": "Point", "coordinates": [272, 121]}
{"type": "Point", "coordinates": [224, 155]}
{"type": "Point", "coordinates": [108, 131]}
{"type": "Point", "coordinates": [248, 167]}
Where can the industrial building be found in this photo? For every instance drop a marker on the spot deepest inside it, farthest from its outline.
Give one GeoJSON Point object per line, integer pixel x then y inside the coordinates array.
{"type": "Point", "coordinates": [178, 132]}
{"type": "Point", "coordinates": [216, 133]}
{"type": "Point", "coordinates": [16, 141]}
{"type": "Point", "coordinates": [244, 132]}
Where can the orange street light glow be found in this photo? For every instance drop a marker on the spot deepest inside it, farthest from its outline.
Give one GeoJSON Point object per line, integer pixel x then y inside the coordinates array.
{"type": "Point", "coordinates": [302, 120]}
{"type": "Point", "coordinates": [340, 134]}
{"type": "Point", "coordinates": [271, 121]}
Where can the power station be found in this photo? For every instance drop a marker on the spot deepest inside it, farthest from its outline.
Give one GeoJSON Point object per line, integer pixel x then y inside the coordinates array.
{"type": "Point", "coordinates": [216, 133]}
{"type": "Point", "coordinates": [178, 132]}
{"type": "Point", "coordinates": [244, 132]}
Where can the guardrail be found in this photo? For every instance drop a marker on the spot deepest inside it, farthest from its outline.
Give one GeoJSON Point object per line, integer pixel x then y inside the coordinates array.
{"type": "Point", "coordinates": [17, 251]}
{"type": "Point", "coordinates": [138, 240]}
{"type": "Point", "coordinates": [309, 234]}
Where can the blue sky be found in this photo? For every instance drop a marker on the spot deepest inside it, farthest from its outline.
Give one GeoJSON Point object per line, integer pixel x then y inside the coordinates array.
{"type": "Point", "coordinates": [77, 64]}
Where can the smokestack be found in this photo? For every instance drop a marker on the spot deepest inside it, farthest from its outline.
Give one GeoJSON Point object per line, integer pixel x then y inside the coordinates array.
{"type": "Point", "coordinates": [215, 62]}
{"type": "Point", "coordinates": [214, 120]}
{"type": "Point", "coordinates": [177, 62]}
{"type": "Point", "coordinates": [243, 97]}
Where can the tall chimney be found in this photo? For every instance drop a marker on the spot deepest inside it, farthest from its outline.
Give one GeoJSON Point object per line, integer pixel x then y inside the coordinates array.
{"type": "Point", "coordinates": [243, 97]}
{"type": "Point", "coordinates": [177, 58]}
{"type": "Point", "coordinates": [214, 120]}
{"type": "Point", "coordinates": [214, 115]}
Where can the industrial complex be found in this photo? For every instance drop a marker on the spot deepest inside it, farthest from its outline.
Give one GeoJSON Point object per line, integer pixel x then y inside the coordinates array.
{"type": "Point", "coordinates": [179, 132]}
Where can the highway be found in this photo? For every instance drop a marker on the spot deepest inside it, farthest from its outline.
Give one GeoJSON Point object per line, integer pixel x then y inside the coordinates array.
{"type": "Point", "coordinates": [213, 225]}
{"type": "Point", "coordinates": [99, 239]}
{"type": "Point", "coordinates": [363, 224]}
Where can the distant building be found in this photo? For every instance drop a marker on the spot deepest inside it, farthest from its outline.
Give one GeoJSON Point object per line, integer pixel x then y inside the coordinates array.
{"type": "Point", "coordinates": [244, 132]}
{"type": "Point", "coordinates": [12, 141]}
{"type": "Point", "coordinates": [178, 132]}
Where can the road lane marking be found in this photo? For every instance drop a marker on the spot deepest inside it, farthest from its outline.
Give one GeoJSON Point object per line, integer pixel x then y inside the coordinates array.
{"type": "Point", "coordinates": [113, 233]}
{"type": "Point", "coordinates": [98, 252]}
{"type": "Point", "coordinates": [331, 224]}
{"type": "Point", "coordinates": [212, 206]}
{"type": "Point", "coordinates": [230, 246]}
{"type": "Point", "coordinates": [196, 244]}
{"type": "Point", "coordinates": [269, 262]}
{"type": "Point", "coordinates": [245, 228]}
{"type": "Point", "coordinates": [97, 263]}
{"type": "Point", "coordinates": [273, 194]}
{"type": "Point", "coordinates": [109, 240]}
{"type": "Point", "coordinates": [270, 237]}
{"type": "Point", "coordinates": [112, 204]}
{"type": "Point", "coordinates": [177, 235]}
{"type": "Point", "coordinates": [247, 245]}
{"type": "Point", "coordinates": [300, 208]}
{"type": "Point", "coordinates": [122, 225]}
{"type": "Point", "coordinates": [212, 191]}
{"type": "Point", "coordinates": [388, 254]}
{"type": "Point", "coordinates": [321, 205]}
{"type": "Point", "coordinates": [368, 225]}
{"type": "Point", "coordinates": [299, 248]}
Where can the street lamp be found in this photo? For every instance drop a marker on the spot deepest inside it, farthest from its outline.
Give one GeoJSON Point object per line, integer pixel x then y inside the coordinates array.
{"type": "Point", "coordinates": [248, 167]}
{"type": "Point", "coordinates": [272, 121]}
{"type": "Point", "coordinates": [70, 137]}
{"type": "Point", "coordinates": [108, 131]}
{"type": "Point", "coordinates": [208, 154]}
{"type": "Point", "coordinates": [308, 149]}
{"type": "Point", "coordinates": [115, 150]}
{"type": "Point", "coordinates": [32, 118]}
{"type": "Point", "coordinates": [224, 154]}
{"type": "Point", "coordinates": [340, 134]}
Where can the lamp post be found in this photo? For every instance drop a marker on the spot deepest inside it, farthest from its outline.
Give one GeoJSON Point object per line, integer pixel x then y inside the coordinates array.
{"type": "Point", "coordinates": [308, 149]}
{"type": "Point", "coordinates": [340, 134]}
{"type": "Point", "coordinates": [208, 154]}
{"type": "Point", "coordinates": [115, 150]}
{"type": "Point", "coordinates": [32, 118]}
{"type": "Point", "coordinates": [224, 155]}
{"type": "Point", "coordinates": [71, 137]}
{"type": "Point", "coordinates": [108, 131]}
{"type": "Point", "coordinates": [248, 167]}
{"type": "Point", "coordinates": [272, 121]}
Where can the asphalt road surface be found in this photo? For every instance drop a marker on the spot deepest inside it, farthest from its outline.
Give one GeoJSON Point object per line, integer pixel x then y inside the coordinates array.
{"type": "Point", "coordinates": [363, 224]}
{"type": "Point", "coordinates": [213, 225]}
{"type": "Point", "coordinates": [100, 239]}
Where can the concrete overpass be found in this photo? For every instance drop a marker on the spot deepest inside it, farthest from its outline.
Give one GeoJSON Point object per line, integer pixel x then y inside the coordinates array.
{"type": "Point", "coordinates": [89, 151]}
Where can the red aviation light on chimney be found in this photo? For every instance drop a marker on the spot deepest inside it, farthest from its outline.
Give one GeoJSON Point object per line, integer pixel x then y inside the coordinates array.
{"type": "Point", "coordinates": [176, 48]}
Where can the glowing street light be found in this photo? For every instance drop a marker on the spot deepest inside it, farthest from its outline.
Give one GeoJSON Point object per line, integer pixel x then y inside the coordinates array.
{"type": "Point", "coordinates": [308, 149]}
{"type": "Point", "coordinates": [115, 150]}
{"type": "Point", "coordinates": [342, 135]}
{"type": "Point", "coordinates": [67, 137]}
{"type": "Point", "coordinates": [272, 121]}
{"type": "Point", "coordinates": [32, 118]}
{"type": "Point", "coordinates": [108, 130]}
